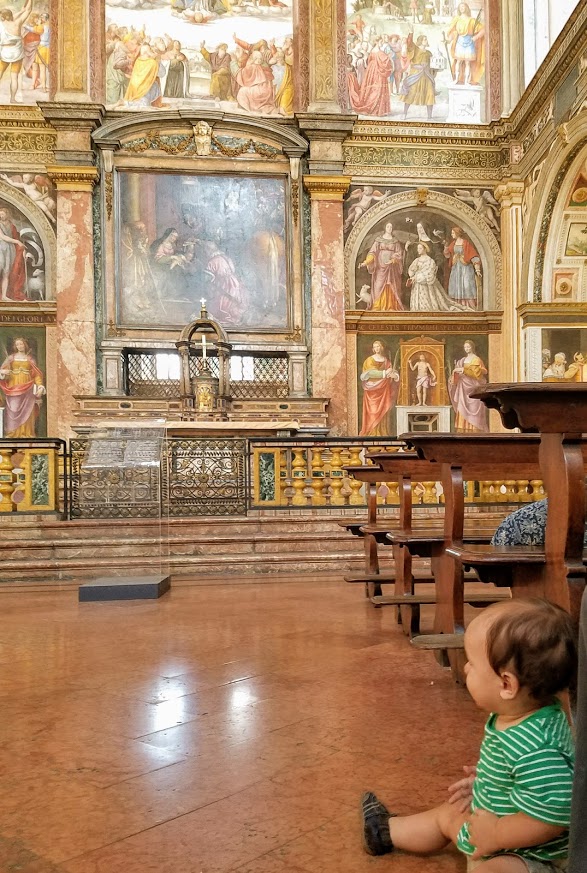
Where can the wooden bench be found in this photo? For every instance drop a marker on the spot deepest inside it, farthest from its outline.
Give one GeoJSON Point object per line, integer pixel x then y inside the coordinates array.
{"type": "Point", "coordinates": [372, 475]}
{"type": "Point", "coordinates": [558, 411]}
{"type": "Point", "coordinates": [460, 458]}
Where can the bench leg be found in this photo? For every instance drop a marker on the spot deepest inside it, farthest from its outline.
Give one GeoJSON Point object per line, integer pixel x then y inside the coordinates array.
{"type": "Point", "coordinates": [449, 615]}
{"type": "Point", "coordinates": [372, 589]}
{"type": "Point", "coordinates": [408, 616]}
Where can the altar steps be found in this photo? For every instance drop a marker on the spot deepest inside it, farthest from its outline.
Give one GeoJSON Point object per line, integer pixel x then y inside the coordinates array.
{"type": "Point", "coordinates": [77, 550]}
{"type": "Point", "coordinates": [42, 550]}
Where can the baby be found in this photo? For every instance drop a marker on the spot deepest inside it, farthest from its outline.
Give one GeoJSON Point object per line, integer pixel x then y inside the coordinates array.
{"type": "Point", "coordinates": [521, 654]}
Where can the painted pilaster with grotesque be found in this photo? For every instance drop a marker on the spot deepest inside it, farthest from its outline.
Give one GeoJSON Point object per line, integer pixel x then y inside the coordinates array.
{"type": "Point", "coordinates": [510, 195]}
{"type": "Point", "coordinates": [79, 28]}
{"type": "Point", "coordinates": [329, 372]}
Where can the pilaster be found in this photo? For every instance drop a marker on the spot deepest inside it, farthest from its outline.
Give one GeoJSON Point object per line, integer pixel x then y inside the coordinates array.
{"type": "Point", "coordinates": [79, 29]}
{"type": "Point", "coordinates": [326, 134]}
{"type": "Point", "coordinates": [512, 42]}
{"type": "Point", "coordinates": [510, 196]}
{"type": "Point", "coordinates": [328, 324]}
{"type": "Point", "coordinates": [75, 176]}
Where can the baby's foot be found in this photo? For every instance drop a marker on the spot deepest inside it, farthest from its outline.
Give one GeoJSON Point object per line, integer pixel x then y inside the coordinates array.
{"type": "Point", "coordinates": [376, 836]}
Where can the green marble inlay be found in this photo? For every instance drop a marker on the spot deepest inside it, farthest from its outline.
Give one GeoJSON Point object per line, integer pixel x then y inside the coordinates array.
{"type": "Point", "coordinates": [266, 476]}
{"type": "Point", "coordinates": [40, 480]}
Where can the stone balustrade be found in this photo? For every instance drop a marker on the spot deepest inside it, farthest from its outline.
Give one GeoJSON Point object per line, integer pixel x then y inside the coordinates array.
{"type": "Point", "coordinates": [31, 473]}
{"type": "Point", "coordinates": [309, 474]}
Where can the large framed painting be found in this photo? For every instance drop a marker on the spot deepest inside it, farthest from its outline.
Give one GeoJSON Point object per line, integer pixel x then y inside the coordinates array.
{"type": "Point", "coordinates": [235, 54]}
{"type": "Point", "coordinates": [25, 36]}
{"type": "Point", "coordinates": [418, 260]}
{"type": "Point", "coordinates": [181, 239]}
{"type": "Point", "coordinates": [23, 394]}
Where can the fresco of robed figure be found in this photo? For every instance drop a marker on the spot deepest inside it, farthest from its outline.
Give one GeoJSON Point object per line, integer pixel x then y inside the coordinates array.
{"type": "Point", "coordinates": [418, 260]}
{"type": "Point", "coordinates": [183, 238]}
{"type": "Point", "coordinates": [22, 381]}
{"type": "Point", "coordinates": [379, 374]}
{"type": "Point", "coordinates": [25, 38]}
{"type": "Point", "coordinates": [237, 54]}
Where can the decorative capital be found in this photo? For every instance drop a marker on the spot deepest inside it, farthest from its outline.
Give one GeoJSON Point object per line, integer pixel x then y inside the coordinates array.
{"type": "Point", "coordinates": [510, 194]}
{"type": "Point", "coordinates": [73, 178]}
{"type": "Point", "coordinates": [327, 187]}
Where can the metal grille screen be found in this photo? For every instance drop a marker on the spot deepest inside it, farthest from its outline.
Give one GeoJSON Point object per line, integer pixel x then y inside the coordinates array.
{"type": "Point", "coordinates": [252, 377]}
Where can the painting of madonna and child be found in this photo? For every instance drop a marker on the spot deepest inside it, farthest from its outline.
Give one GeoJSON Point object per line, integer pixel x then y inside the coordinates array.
{"type": "Point", "coordinates": [418, 260]}
{"type": "Point", "coordinates": [235, 55]}
{"type": "Point", "coordinates": [421, 383]}
{"type": "Point", "coordinates": [417, 59]}
{"type": "Point", "coordinates": [25, 37]}
{"type": "Point", "coordinates": [181, 238]}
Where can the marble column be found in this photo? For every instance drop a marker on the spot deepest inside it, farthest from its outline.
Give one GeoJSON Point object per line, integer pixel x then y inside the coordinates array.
{"type": "Point", "coordinates": [510, 196]}
{"type": "Point", "coordinates": [76, 320]}
{"type": "Point", "coordinates": [328, 323]}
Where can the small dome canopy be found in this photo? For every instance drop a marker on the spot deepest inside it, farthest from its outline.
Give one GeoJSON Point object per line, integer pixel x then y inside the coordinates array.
{"type": "Point", "coordinates": [203, 323]}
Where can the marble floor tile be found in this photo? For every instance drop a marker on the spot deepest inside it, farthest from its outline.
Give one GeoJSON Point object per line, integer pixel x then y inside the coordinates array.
{"type": "Point", "coordinates": [225, 728]}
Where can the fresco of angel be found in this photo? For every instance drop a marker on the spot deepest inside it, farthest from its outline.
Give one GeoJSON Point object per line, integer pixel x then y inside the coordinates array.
{"type": "Point", "coordinates": [360, 200]}
{"type": "Point", "coordinates": [484, 204]}
{"type": "Point", "coordinates": [37, 188]}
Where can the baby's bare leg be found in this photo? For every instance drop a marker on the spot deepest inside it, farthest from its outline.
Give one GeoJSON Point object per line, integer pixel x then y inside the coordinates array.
{"type": "Point", "coordinates": [427, 831]}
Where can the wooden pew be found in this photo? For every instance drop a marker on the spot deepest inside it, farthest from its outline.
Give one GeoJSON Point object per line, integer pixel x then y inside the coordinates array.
{"type": "Point", "coordinates": [372, 578]}
{"type": "Point", "coordinates": [405, 468]}
{"type": "Point", "coordinates": [461, 458]}
{"type": "Point", "coordinates": [558, 411]}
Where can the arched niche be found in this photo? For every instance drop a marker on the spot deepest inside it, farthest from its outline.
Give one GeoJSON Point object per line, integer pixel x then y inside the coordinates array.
{"type": "Point", "coordinates": [41, 226]}
{"type": "Point", "coordinates": [454, 211]}
{"type": "Point", "coordinates": [549, 215]}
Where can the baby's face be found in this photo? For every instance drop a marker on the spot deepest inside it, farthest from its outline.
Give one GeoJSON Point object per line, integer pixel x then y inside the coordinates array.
{"type": "Point", "coordinates": [483, 683]}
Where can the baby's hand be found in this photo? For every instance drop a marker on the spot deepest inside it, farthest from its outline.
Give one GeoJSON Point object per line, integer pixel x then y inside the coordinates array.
{"type": "Point", "coordinates": [461, 792]}
{"type": "Point", "coordinates": [482, 833]}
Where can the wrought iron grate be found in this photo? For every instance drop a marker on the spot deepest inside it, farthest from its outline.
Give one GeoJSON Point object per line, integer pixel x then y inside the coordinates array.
{"type": "Point", "coordinates": [252, 377]}
{"type": "Point", "coordinates": [207, 477]}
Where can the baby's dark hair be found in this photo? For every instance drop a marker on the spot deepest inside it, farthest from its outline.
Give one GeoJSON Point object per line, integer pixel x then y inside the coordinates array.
{"type": "Point", "coordinates": [536, 640]}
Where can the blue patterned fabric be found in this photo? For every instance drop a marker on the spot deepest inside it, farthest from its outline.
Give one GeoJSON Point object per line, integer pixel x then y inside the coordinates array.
{"type": "Point", "coordinates": [524, 527]}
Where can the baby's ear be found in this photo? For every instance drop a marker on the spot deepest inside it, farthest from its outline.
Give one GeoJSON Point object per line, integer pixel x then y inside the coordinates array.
{"type": "Point", "coordinates": [510, 685]}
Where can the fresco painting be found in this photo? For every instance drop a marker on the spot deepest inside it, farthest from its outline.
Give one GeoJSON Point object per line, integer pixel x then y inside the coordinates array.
{"type": "Point", "coordinates": [183, 238]}
{"type": "Point", "coordinates": [576, 246]}
{"type": "Point", "coordinates": [417, 59]}
{"type": "Point", "coordinates": [431, 378]}
{"type": "Point", "coordinates": [417, 260]}
{"type": "Point", "coordinates": [564, 355]}
{"type": "Point", "coordinates": [25, 44]}
{"type": "Point", "coordinates": [22, 257]}
{"type": "Point", "coordinates": [235, 55]}
{"type": "Point", "coordinates": [22, 381]}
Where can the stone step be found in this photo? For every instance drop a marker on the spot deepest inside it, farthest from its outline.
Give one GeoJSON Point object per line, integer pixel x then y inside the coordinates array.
{"type": "Point", "coordinates": [185, 567]}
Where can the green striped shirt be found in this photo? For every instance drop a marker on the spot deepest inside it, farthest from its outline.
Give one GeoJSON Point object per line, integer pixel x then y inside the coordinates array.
{"type": "Point", "coordinates": [527, 768]}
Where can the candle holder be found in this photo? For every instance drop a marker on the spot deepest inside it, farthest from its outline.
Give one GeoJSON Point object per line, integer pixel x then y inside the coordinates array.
{"type": "Point", "coordinates": [205, 369]}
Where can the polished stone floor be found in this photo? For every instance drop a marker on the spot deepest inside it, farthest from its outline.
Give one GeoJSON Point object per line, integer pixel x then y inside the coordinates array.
{"type": "Point", "coordinates": [219, 728]}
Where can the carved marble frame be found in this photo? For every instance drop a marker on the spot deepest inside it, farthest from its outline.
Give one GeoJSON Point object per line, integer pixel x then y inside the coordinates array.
{"type": "Point", "coordinates": [453, 209]}
{"type": "Point", "coordinates": [285, 148]}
